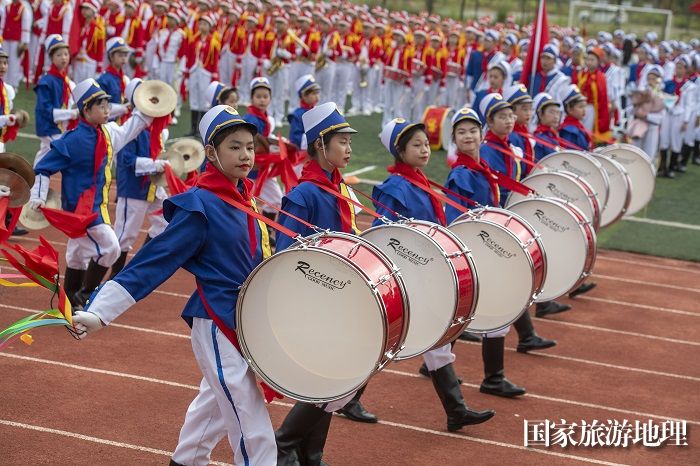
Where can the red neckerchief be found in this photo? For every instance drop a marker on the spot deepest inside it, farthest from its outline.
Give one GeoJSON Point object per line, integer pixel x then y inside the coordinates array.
{"type": "Point", "coordinates": [485, 60]}
{"type": "Point", "coordinates": [313, 173]}
{"type": "Point", "coordinates": [679, 84]}
{"type": "Point", "coordinates": [543, 81]}
{"type": "Point", "coordinates": [604, 68]}
{"type": "Point", "coordinates": [120, 75]}
{"type": "Point", "coordinates": [63, 76]}
{"type": "Point", "coordinates": [481, 167]}
{"type": "Point", "coordinates": [571, 121]}
{"type": "Point", "coordinates": [216, 182]}
{"type": "Point", "coordinates": [639, 69]}
{"type": "Point", "coordinates": [417, 178]}
{"type": "Point", "coordinates": [262, 115]}
{"type": "Point", "coordinates": [304, 105]}
{"type": "Point", "coordinates": [504, 144]}
{"type": "Point", "coordinates": [167, 41]}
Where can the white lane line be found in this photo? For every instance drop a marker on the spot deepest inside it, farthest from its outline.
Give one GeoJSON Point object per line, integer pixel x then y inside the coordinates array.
{"type": "Point", "coordinates": [619, 332]}
{"type": "Point", "coordinates": [664, 223]}
{"type": "Point", "coordinates": [647, 264]}
{"type": "Point", "coordinates": [90, 438]}
{"type": "Point", "coordinates": [639, 306]}
{"type": "Point", "coordinates": [564, 401]}
{"type": "Point", "coordinates": [387, 423]}
{"type": "Point", "coordinates": [359, 171]}
{"type": "Point", "coordinates": [370, 182]}
{"type": "Point", "coordinates": [642, 282]}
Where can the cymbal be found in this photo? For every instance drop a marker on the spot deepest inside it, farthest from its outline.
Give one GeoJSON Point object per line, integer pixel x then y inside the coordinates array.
{"type": "Point", "coordinates": [17, 164]}
{"type": "Point", "coordinates": [34, 219]}
{"type": "Point", "coordinates": [176, 163]}
{"type": "Point", "coordinates": [190, 151]}
{"type": "Point", "coordinates": [155, 98]}
{"type": "Point", "coordinates": [18, 187]}
{"type": "Point", "coordinates": [22, 118]}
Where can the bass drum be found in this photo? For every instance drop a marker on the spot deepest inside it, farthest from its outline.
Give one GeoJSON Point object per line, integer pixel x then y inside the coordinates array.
{"type": "Point", "coordinates": [583, 165]}
{"type": "Point", "coordinates": [569, 242]}
{"type": "Point", "coordinates": [440, 277]}
{"type": "Point", "coordinates": [438, 126]}
{"type": "Point", "coordinates": [620, 190]}
{"type": "Point", "coordinates": [337, 315]}
{"type": "Point", "coordinates": [566, 186]}
{"type": "Point", "coordinates": [640, 170]}
{"type": "Point", "coordinates": [508, 256]}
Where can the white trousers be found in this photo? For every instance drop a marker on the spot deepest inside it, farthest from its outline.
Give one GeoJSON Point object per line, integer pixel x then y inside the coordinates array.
{"type": "Point", "coordinates": [44, 146]}
{"type": "Point", "coordinates": [272, 193]}
{"type": "Point", "coordinates": [99, 244]}
{"type": "Point", "coordinates": [343, 72]}
{"type": "Point", "coordinates": [14, 63]}
{"type": "Point", "coordinates": [650, 142]}
{"type": "Point", "coordinates": [439, 357]}
{"type": "Point", "coordinates": [197, 89]}
{"type": "Point", "coordinates": [129, 217]}
{"type": "Point", "coordinates": [325, 78]}
{"type": "Point", "coordinates": [83, 70]}
{"type": "Point", "coordinates": [398, 101]}
{"type": "Point", "coordinates": [226, 63]}
{"type": "Point", "coordinates": [279, 83]}
{"type": "Point", "coordinates": [671, 134]}
{"type": "Point", "coordinates": [228, 403]}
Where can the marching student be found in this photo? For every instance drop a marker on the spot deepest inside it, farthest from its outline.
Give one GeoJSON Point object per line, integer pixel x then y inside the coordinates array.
{"type": "Point", "coordinates": [593, 84]}
{"type": "Point", "coordinates": [551, 79]}
{"type": "Point", "coordinates": [407, 192]}
{"type": "Point", "coordinates": [678, 120]}
{"type": "Point", "coordinates": [220, 245]}
{"type": "Point", "coordinates": [302, 435]}
{"type": "Point", "coordinates": [548, 116]}
{"type": "Point", "coordinates": [53, 111]}
{"type": "Point", "coordinates": [498, 77]}
{"type": "Point", "coordinates": [309, 92]}
{"type": "Point", "coordinates": [113, 81]}
{"type": "Point", "coordinates": [88, 62]}
{"type": "Point", "coordinates": [219, 94]}
{"type": "Point", "coordinates": [84, 157]}
{"type": "Point", "coordinates": [15, 24]}
{"type": "Point", "coordinates": [646, 114]}
{"type": "Point", "coordinates": [572, 128]}
{"type": "Point", "coordinates": [137, 196]}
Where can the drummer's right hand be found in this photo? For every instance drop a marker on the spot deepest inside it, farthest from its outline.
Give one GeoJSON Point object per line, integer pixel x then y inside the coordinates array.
{"type": "Point", "coordinates": [36, 204]}
{"type": "Point", "coordinates": [160, 165]}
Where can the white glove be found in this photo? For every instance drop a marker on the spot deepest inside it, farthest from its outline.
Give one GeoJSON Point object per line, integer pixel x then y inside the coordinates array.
{"type": "Point", "coordinates": [282, 53]}
{"type": "Point", "coordinates": [36, 204]}
{"type": "Point", "coordinates": [160, 165]}
{"type": "Point", "coordinates": [75, 114]}
{"type": "Point", "coordinates": [11, 120]}
{"type": "Point", "coordinates": [85, 322]}
{"type": "Point", "coordinates": [266, 64]}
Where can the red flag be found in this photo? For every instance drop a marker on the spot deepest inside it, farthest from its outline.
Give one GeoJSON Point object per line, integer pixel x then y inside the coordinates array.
{"type": "Point", "coordinates": [540, 38]}
{"type": "Point", "coordinates": [75, 27]}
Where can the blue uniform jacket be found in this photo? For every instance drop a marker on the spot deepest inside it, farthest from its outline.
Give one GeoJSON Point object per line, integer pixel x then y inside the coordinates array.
{"type": "Point", "coordinates": [49, 95]}
{"type": "Point", "coordinates": [498, 162]}
{"type": "Point", "coordinates": [575, 136]}
{"type": "Point", "coordinates": [259, 124]}
{"type": "Point", "coordinates": [128, 183]}
{"type": "Point", "coordinates": [208, 238]}
{"type": "Point", "coordinates": [110, 84]}
{"type": "Point", "coordinates": [541, 150]}
{"type": "Point", "coordinates": [402, 197]}
{"type": "Point", "coordinates": [296, 127]}
{"type": "Point", "coordinates": [467, 183]}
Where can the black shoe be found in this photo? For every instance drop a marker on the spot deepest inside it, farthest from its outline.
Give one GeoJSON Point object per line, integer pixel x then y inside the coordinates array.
{"type": "Point", "coordinates": [584, 288]}
{"type": "Point", "coordinates": [469, 336]}
{"type": "Point", "coordinates": [119, 265]}
{"type": "Point", "coordinates": [458, 414]}
{"type": "Point", "coordinates": [356, 412]}
{"type": "Point", "coordinates": [550, 307]}
{"type": "Point", "coordinates": [495, 383]}
{"type": "Point", "coordinates": [423, 370]}
{"type": "Point", "coordinates": [19, 231]}
{"type": "Point", "coordinates": [173, 463]}
{"type": "Point", "coordinates": [684, 158]}
{"type": "Point", "coordinates": [534, 343]}
{"type": "Point", "coordinates": [299, 424]}
{"type": "Point", "coordinates": [93, 278]}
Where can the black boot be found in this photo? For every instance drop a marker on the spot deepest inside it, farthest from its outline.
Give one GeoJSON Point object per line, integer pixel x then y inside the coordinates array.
{"type": "Point", "coordinates": [495, 383]}
{"type": "Point", "coordinates": [684, 159]}
{"type": "Point", "coordinates": [173, 463]}
{"type": "Point", "coordinates": [696, 153]}
{"type": "Point", "coordinates": [299, 423]}
{"type": "Point", "coordinates": [355, 411]}
{"type": "Point", "coordinates": [18, 230]}
{"type": "Point", "coordinates": [550, 307]}
{"type": "Point", "coordinates": [93, 277]}
{"type": "Point", "coordinates": [423, 370]}
{"type": "Point", "coordinates": [528, 340]}
{"type": "Point", "coordinates": [119, 265]}
{"type": "Point", "coordinates": [469, 336]}
{"type": "Point", "coordinates": [670, 167]}
{"type": "Point", "coordinates": [72, 281]}
{"type": "Point", "coordinates": [447, 388]}
{"type": "Point", "coordinates": [583, 288]}
{"type": "Point", "coordinates": [664, 163]}
{"type": "Point", "coordinates": [310, 451]}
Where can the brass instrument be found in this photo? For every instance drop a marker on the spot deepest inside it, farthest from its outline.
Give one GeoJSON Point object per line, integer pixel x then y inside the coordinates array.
{"type": "Point", "coordinates": [321, 62]}
{"type": "Point", "coordinates": [364, 72]}
{"type": "Point", "coordinates": [275, 64]}
{"type": "Point", "coordinates": [292, 35]}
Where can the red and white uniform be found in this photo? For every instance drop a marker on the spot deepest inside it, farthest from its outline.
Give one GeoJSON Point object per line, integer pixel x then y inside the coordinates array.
{"type": "Point", "coordinates": [15, 24]}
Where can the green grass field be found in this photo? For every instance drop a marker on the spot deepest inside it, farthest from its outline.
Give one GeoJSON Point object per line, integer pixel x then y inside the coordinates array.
{"type": "Point", "coordinates": [675, 200]}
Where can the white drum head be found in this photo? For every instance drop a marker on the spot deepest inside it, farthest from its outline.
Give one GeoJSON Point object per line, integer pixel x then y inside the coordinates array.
{"type": "Point", "coordinates": [640, 170]}
{"type": "Point", "coordinates": [505, 269]}
{"type": "Point", "coordinates": [310, 325]}
{"type": "Point", "coordinates": [620, 190]}
{"type": "Point", "coordinates": [581, 164]}
{"type": "Point", "coordinates": [559, 186]}
{"type": "Point", "coordinates": [564, 241]}
{"type": "Point", "coordinates": [446, 134]}
{"type": "Point", "coordinates": [431, 283]}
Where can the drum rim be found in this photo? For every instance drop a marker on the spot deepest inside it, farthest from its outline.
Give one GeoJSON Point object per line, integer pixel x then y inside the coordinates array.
{"type": "Point", "coordinates": [628, 182]}
{"type": "Point", "coordinates": [531, 264]}
{"type": "Point", "coordinates": [256, 368]}
{"type": "Point", "coordinates": [586, 186]}
{"type": "Point", "coordinates": [586, 155]}
{"type": "Point", "coordinates": [406, 225]}
{"type": "Point", "coordinates": [607, 151]}
{"type": "Point", "coordinates": [582, 229]}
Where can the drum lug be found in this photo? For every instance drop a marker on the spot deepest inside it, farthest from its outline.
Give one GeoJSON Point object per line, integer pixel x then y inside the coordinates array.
{"type": "Point", "coordinates": [453, 255]}
{"type": "Point", "coordinates": [390, 355]}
